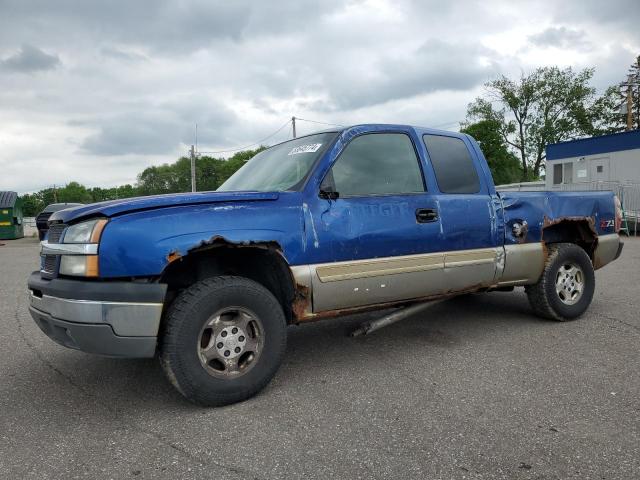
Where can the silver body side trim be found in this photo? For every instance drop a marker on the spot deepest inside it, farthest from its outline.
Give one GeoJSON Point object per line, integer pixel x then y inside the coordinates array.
{"type": "Point", "coordinates": [126, 319]}
{"type": "Point", "coordinates": [358, 269]}
{"type": "Point", "coordinates": [361, 283]}
{"type": "Point", "coordinates": [523, 264]}
{"type": "Point", "coordinates": [606, 250]}
{"type": "Point", "coordinates": [358, 283]}
{"type": "Point", "coordinates": [47, 248]}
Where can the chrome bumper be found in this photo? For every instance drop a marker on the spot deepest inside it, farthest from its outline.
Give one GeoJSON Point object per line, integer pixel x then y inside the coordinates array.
{"type": "Point", "coordinates": [119, 319]}
{"type": "Point", "coordinates": [609, 249]}
{"type": "Point", "coordinates": [125, 318]}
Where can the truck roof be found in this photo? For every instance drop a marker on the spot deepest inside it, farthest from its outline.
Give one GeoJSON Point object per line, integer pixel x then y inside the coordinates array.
{"type": "Point", "coordinates": [382, 126]}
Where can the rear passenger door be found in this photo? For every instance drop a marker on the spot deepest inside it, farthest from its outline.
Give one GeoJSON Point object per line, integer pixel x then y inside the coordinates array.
{"type": "Point", "coordinates": [467, 213]}
{"type": "Point", "coordinates": [380, 241]}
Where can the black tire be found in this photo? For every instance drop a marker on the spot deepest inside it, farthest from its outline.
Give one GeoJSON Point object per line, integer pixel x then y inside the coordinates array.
{"type": "Point", "coordinates": [181, 336]}
{"type": "Point", "coordinates": [545, 301]}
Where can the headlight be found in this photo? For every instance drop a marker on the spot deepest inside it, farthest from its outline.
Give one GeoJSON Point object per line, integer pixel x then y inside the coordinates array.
{"type": "Point", "coordinates": [85, 232]}
{"type": "Point", "coordinates": [80, 259]}
{"type": "Point", "coordinates": [79, 265]}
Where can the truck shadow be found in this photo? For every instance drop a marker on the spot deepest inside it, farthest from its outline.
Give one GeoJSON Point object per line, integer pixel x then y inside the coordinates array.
{"type": "Point", "coordinates": [133, 387]}
{"type": "Point", "coordinates": [458, 320]}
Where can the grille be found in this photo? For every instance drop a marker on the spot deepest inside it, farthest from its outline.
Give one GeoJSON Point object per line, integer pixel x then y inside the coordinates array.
{"type": "Point", "coordinates": [55, 232]}
{"type": "Point", "coordinates": [50, 264]}
{"type": "Point", "coordinates": [41, 220]}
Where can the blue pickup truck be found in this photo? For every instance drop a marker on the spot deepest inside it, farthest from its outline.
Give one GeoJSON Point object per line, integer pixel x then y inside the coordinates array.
{"type": "Point", "coordinates": [364, 217]}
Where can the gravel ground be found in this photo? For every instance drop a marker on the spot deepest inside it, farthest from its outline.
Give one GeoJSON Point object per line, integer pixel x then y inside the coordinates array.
{"type": "Point", "coordinates": [475, 387]}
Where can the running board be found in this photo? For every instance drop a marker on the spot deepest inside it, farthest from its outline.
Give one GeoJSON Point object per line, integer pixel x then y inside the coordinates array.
{"type": "Point", "coordinates": [400, 314]}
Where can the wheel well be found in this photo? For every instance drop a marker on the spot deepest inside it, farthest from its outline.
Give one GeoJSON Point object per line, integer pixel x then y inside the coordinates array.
{"type": "Point", "coordinates": [261, 263]}
{"type": "Point", "coordinates": [580, 231]}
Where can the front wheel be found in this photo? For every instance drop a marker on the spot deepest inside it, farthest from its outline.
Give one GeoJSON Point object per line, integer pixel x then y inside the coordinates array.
{"type": "Point", "coordinates": [565, 288]}
{"type": "Point", "coordinates": [223, 340]}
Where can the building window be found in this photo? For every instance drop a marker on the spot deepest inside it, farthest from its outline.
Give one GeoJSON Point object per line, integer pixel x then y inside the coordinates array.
{"type": "Point", "coordinates": [599, 169]}
{"type": "Point", "coordinates": [567, 176]}
{"type": "Point", "coordinates": [557, 173]}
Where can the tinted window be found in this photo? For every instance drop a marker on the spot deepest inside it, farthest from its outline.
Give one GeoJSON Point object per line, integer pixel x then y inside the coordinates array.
{"type": "Point", "coordinates": [378, 164]}
{"type": "Point", "coordinates": [453, 166]}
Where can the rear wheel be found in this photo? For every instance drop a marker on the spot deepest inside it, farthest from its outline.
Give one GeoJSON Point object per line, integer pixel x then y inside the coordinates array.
{"type": "Point", "coordinates": [223, 340]}
{"type": "Point", "coordinates": [565, 288]}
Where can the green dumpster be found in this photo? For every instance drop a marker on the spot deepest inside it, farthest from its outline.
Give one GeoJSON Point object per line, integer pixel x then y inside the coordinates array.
{"type": "Point", "coordinates": [11, 226]}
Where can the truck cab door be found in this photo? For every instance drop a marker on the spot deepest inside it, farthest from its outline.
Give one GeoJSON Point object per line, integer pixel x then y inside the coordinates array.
{"type": "Point", "coordinates": [471, 225]}
{"type": "Point", "coordinates": [381, 239]}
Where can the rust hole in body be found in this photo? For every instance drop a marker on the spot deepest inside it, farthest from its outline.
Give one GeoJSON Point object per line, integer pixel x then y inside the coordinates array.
{"type": "Point", "coordinates": [301, 302]}
{"type": "Point", "coordinates": [582, 231]}
{"type": "Point", "coordinates": [173, 256]}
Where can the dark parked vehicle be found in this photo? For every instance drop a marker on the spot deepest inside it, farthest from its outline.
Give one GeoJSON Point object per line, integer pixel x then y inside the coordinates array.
{"type": "Point", "coordinates": [43, 216]}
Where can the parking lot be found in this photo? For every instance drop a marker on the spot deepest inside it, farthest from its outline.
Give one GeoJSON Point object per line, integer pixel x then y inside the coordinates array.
{"type": "Point", "coordinates": [476, 387]}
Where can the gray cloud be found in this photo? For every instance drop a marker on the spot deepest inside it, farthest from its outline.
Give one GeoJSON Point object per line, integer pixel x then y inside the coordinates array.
{"type": "Point", "coordinates": [618, 14]}
{"type": "Point", "coordinates": [158, 130]}
{"type": "Point", "coordinates": [30, 59]}
{"type": "Point", "coordinates": [175, 27]}
{"type": "Point", "coordinates": [138, 75]}
{"type": "Point", "coordinates": [121, 54]}
{"type": "Point", "coordinates": [561, 37]}
{"type": "Point", "coordinates": [433, 66]}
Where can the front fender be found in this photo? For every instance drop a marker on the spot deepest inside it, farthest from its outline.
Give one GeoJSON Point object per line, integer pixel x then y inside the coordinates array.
{"type": "Point", "coordinates": [142, 244]}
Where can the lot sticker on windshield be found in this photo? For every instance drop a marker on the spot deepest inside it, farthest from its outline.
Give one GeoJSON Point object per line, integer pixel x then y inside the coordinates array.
{"type": "Point", "coordinates": [310, 148]}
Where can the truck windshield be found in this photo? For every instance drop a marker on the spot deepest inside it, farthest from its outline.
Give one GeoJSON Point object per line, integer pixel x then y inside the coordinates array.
{"type": "Point", "coordinates": [281, 167]}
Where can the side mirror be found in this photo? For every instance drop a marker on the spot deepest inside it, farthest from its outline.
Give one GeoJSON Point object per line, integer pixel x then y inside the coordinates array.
{"type": "Point", "coordinates": [328, 194]}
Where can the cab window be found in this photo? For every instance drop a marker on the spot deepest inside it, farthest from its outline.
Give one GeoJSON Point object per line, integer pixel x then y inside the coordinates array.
{"type": "Point", "coordinates": [452, 164]}
{"type": "Point", "coordinates": [376, 164]}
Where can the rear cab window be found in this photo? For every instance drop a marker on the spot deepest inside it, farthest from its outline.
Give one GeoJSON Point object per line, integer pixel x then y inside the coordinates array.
{"type": "Point", "coordinates": [452, 164]}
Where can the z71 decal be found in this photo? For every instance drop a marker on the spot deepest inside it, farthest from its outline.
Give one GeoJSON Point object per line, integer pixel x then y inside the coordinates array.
{"type": "Point", "coordinates": [607, 224]}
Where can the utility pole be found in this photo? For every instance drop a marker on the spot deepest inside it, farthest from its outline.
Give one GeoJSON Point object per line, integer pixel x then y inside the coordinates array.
{"type": "Point", "coordinates": [293, 124]}
{"type": "Point", "coordinates": [632, 96]}
{"type": "Point", "coordinates": [193, 169]}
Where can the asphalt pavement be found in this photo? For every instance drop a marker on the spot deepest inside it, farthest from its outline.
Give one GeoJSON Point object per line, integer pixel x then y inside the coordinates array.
{"type": "Point", "coordinates": [475, 387]}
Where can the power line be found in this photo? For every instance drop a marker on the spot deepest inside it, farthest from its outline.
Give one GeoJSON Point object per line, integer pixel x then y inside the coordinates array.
{"type": "Point", "coordinates": [259, 142]}
{"type": "Point", "coordinates": [320, 123]}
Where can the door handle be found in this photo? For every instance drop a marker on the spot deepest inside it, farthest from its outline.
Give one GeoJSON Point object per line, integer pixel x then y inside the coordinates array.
{"type": "Point", "coordinates": [426, 215]}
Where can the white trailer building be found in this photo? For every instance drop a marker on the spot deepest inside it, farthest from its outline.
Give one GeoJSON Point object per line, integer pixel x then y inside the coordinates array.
{"type": "Point", "coordinates": [608, 162]}
{"type": "Point", "coordinates": [611, 158]}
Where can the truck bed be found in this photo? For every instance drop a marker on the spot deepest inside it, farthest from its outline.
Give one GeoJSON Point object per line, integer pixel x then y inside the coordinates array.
{"type": "Point", "coordinates": [543, 209]}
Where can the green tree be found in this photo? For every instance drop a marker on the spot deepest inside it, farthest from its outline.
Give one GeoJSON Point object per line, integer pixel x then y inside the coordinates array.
{"type": "Point", "coordinates": [628, 96]}
{"type": "Point", "coordinates": [211, 172]}
{"type": "Point", "coordinates": [546, 106]}
{"type": "Point", "coordinates": [606, 116]}
{"type": "Point", "coordinates": [31, 205]}
{"type": "Point", "coordinates": [73, 192]}
{"type": "Point", "coordinates": [504, 165]}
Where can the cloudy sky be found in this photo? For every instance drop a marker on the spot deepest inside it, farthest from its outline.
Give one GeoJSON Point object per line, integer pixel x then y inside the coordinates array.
{"type": "Point", "coordinates": [96, 91]}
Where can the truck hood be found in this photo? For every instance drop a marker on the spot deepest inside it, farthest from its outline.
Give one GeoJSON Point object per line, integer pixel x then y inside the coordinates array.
{"type": "Point", "coordinates": [119, 207]}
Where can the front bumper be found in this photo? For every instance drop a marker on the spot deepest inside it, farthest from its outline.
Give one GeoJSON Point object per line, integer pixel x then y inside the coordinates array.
{"type": "Point", "coordinates": [117, 319]}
